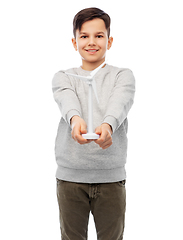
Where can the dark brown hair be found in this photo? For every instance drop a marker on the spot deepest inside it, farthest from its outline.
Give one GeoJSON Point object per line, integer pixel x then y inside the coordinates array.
{"type": "Point", "coordinates": [88, 14]}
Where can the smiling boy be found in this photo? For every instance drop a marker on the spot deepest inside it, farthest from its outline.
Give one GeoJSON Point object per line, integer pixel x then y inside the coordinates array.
{"type": "Point", "coordinates": [91, 174]}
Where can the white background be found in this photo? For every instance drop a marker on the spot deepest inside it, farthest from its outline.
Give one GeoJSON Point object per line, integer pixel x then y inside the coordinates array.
{"type": "Point", "coordinates": [36, 43]}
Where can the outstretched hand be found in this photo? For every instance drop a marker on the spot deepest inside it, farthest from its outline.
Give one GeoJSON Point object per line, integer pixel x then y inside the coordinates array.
{"type": "Point", "coordinates": [105, 132]}
{"type": "Point", "coordinates": [79, 127]}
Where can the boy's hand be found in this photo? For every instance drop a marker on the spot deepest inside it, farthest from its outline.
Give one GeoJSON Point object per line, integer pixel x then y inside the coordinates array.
{"type": "Point", "coordinates": [78, 128]}
{"type": "Point", "coordinates": [105, 132]}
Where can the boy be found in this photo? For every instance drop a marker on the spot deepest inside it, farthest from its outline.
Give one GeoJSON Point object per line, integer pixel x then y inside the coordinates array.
{"type": "Point", "coordinates": [91, 174]}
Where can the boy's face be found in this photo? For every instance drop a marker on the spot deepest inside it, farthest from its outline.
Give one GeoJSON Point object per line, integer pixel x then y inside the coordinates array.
{"type": "Point", "coordinates": [92, 43]}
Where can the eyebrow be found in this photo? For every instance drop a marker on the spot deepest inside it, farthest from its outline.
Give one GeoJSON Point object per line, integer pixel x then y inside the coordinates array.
{"type": "Point", "coordinates": [100, 33]}
{"type": "Point", "coordinates": [87, 33]}
{"type": "Point", "coordinates": [82, 33]}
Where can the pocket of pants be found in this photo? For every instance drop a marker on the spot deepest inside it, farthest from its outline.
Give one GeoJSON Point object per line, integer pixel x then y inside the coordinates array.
{"type": "Point", "coordinates": [59, 182]}
{"type": "Point", "coordinates": [60, 188]}
{"type": "Point", "coordinates": [122, 183]}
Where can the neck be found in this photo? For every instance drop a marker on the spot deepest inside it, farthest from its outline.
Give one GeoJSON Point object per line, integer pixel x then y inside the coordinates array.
{"type": "Point", "coordinates": [90, 66]}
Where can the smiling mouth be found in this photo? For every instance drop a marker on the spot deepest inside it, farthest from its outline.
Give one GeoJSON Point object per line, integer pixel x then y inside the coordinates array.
{"type": "Point", "coordinates": [91, 50]}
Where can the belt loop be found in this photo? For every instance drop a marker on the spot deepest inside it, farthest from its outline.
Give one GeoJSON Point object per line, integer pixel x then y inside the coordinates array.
{"type": "Point", "coordinates": [90, 190]}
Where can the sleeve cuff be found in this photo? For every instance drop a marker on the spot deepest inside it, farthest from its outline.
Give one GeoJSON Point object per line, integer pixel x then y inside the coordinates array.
{"type": "Point", "coordinates": [72, 113]}
{"type": "Point", "coordinates": [111, 121]}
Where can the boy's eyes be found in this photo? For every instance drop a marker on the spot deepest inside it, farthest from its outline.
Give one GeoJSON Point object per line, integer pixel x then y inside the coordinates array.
{"type": "Point", "coordinates": [98, 36]}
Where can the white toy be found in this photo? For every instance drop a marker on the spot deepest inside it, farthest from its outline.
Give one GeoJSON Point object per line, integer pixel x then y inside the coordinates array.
{"type": "Point", "coordinates": [91, 82]}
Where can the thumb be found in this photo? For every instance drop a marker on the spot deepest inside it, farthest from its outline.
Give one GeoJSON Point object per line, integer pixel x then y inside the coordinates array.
{"type": "Point", "coordinates": [98, 130]}
{"type": "Point", "coordinates": [83, 129]}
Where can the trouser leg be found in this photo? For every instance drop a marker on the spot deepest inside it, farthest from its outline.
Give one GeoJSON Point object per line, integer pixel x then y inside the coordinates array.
{"type": "Point", "coordinates": [74, 210]}
{"type": "Point", "coordinates": [108, 209]}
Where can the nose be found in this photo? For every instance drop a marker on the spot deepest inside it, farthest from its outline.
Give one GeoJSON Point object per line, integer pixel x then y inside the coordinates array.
{"type": "Point", "coordinates": [91, 41]}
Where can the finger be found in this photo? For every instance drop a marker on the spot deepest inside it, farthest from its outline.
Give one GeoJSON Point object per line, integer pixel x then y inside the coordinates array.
{"type": "Point", "coordinates": [98, 130]}
{"type": "Point", "coordinates": [80, 139]}
{"type": "Point", "coordinates": [106, 144]}
{"type": "Point", "coordinates": [76, 135]}
{"type": "Point", "coordinates": [102, 138]}
{"type": "Point", "coordinates": [101, 144]}
{"type": "Point", "coordinates": [83, 129]}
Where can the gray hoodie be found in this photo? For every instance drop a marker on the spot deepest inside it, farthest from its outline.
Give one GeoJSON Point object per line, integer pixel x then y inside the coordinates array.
{"type": "Point", "coordinates": [89, 163]}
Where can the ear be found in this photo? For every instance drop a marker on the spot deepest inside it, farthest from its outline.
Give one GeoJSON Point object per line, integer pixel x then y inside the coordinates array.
{"type": "Point", "coordinates": [74, 43]}
{"type": "Point", "coordinates": [110, 41]}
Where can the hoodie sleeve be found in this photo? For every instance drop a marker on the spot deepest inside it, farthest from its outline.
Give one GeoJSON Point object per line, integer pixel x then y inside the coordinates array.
{"type": "Point", "coordinates": [121, 99]}
{"type": "Point", "coordinates": [65, 96]}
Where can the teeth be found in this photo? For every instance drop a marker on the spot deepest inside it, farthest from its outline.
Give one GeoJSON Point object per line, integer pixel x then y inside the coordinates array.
{"type": "Point", "coordinates": [92, 50]}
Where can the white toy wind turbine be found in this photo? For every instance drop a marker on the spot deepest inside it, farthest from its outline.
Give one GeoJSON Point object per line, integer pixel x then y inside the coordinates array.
{"type": "Point", "coordinates": [92, 84]}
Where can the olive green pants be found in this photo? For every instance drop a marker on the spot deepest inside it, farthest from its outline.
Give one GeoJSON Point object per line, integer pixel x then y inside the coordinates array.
{"type": "Point", "coordinates": [106, 201]}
